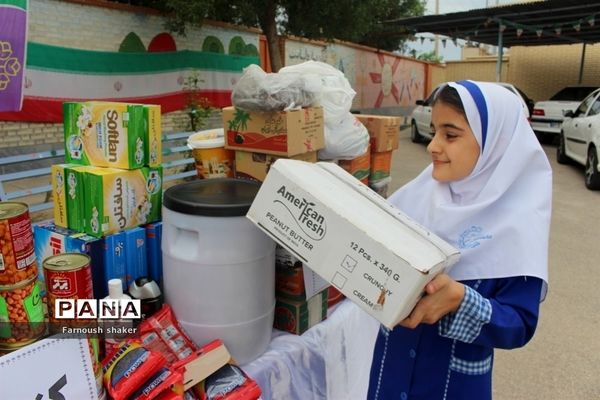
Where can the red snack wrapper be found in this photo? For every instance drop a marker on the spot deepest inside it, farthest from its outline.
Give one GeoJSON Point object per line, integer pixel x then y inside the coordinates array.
{"type": "Point", "coordinates": [162, 333]}
{"type": "Point", "coordinates": [127, 368]}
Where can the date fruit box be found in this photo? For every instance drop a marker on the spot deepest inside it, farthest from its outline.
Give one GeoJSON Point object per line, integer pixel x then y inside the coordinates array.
{"type": "Point", "coordinates": [369, 250]}
{"type": "Point", "coordinates": [282, 133]}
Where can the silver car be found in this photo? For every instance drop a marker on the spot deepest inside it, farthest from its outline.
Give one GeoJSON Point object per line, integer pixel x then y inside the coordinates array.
{"type": "Point", "coordinates": [580, 138]}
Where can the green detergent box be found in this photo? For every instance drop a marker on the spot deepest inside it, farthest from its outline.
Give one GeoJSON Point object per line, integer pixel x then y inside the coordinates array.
{"type": "Point", "coordinates": [59, 194]}
{"type": "Point", "coordinates": [75, 196]}
{"type": "Point", "coordinates": [109, 134]}
{"type": "Point", "coordinates": [117, 199]}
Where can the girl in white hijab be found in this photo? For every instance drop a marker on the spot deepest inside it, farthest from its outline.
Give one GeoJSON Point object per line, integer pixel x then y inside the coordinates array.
{"type": "Point", "coordinates": [488, 192]}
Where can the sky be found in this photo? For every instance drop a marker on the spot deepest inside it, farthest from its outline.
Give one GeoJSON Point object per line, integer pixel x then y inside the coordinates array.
{"type": "Point", "coordinates": [450, 52]}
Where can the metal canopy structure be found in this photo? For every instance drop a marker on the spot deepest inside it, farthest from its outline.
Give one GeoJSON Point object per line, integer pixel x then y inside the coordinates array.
{"type": "Point", "coordinates": [524, 24]}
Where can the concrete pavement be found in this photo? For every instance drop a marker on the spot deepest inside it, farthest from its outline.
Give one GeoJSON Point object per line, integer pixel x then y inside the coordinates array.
{"type": "Point", "coordinates": [562, 361]}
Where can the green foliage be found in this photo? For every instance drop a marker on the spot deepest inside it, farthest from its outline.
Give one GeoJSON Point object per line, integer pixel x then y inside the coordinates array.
{"type": "Point", "coordinates": [351, 20]}
{"type": "Point", "coordinates": [431, 57]}
{"type": "Point", "coordinates": [197, 107]}
{"type": "Point", "coordinates": [354, 21]}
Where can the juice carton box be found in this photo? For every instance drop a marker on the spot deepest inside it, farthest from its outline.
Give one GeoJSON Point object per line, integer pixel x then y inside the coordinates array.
{"type": "Point", "coordinates": [154, 251]}
{"type": "Point", "coordinates": [50, 239]}
{"type": "Point", "coordinates": [135, 254]}
{"type": "Point", "coordinates": [106, 134]}
{"type": "Point", "coordinates": [116, 199]}
{"type": "Point", "coordinates": [114, 265]}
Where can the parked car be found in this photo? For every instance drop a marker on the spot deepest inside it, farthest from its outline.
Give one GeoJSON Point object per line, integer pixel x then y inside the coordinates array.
{"type": "Point", "coordinates": [548, 115]}
{"type": "Point", "coordinates": [420, 128]}
{"type": "Point", "coordinates": [580, 138]}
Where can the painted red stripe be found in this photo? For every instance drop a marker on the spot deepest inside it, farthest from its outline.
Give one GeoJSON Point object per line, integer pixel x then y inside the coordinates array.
{"type": "Point", "coordinates": [50, 110]}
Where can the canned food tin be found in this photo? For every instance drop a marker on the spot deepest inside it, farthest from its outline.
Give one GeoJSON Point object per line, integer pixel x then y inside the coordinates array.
{"type": "Point", "coordinates": [21, 312]}
{"type": "Point", "coordinates": [6, 348]}
{"type": "Point", "coordinates": [17, 258]}
{"type": "Point", "coordinates": [68, 276]}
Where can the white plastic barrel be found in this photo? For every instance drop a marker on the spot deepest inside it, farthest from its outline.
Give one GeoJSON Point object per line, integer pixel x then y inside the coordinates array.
{"type": "Point", "coordinates": [218, 268]}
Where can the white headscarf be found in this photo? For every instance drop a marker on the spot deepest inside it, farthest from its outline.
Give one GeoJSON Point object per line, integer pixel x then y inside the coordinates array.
{"type": "Point", "coordinates": [499, 215]}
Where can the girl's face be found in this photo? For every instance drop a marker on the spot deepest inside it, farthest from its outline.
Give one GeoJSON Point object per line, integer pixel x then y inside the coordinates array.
{"type": "Point", "coordinates": [454, 149]}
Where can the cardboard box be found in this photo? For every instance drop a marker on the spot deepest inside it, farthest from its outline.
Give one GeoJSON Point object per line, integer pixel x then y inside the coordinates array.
{"type": "Point", "coordinates": [255, 166]}
{"type": "Point", "coordinates": [114, 266]}
{"type": "Point", "coordinates": [359, 167]}
{"type": "Point", "coordinates": [374, 254]}
{"type": "Point", "coordinates": [293, 280]}
{"type": "Point", "coordinates": [384, 131]}
{"type": "Point", "coordinates": [154, 251]}
{"type": "Point", "coordinates": [297, 316]}
{"type": "Point", "coordinates": [381, 165]}
{"type": "Point", "coordinates": [59, 194]}
{"type": "Point", "coordinates": [153, 139]}
{"type": "Point", "coordinates": [112, 134]}
{"type": "Point", "coordinates": [50, 239]}
{"type": "Point", "coordinates": [282, 133]}
{"type": "Point", "coordinates": [135, 253]}
{"type": "Point", "coordinates": [117, 199]}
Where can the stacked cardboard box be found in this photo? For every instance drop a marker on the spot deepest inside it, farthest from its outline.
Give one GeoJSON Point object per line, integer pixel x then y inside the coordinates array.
{"type": "Point", "coordinates": [302, 299]}
{"type": "Point", "coordinates": [261, 138]}
{"type": "Point", "coordinates": [110, 185]}
{"type": "Point", "coordinates": [384, 133]}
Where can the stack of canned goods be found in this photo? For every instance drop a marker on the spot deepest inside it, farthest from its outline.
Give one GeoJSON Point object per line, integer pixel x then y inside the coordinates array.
{"type": "Point", "coordinates": [21, 306]}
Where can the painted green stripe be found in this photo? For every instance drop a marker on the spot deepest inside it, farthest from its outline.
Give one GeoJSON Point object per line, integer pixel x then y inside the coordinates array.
{"type": "Point", "coordinates": [15, 3]}
{"type": "Point", "coordinates": [54, 58]}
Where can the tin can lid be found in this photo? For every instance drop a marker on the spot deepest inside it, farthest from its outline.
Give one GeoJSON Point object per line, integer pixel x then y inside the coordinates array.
{"type": "Point", "coordinates": [9, 209]}
{"type": "Point", "coordinates": [66, 261]}
{"type": "Point", "coordinates": [222, 197]}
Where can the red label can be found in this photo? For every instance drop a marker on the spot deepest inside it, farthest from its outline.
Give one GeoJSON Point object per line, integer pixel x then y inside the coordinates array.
{"type": "Point", "coordinates": [17, 256]}
{"type": "Point", "coordinates": [68, 276]}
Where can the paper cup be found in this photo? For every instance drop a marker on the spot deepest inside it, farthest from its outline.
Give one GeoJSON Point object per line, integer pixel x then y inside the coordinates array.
{"type": "Point", "coordinates": [211, 158]}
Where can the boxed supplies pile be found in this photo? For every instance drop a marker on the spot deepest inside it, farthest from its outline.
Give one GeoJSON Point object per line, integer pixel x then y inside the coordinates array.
{"type": "Point", "coordinates": [297, 316]}
{"type": "Point", "coordinates": [109, 187]}
{"type": "Point", "coordinates": [282, 133]}
{"type": "Point", "coordinates": [384, 133]}
{"type": "Point", "coordinates": [366, 248]}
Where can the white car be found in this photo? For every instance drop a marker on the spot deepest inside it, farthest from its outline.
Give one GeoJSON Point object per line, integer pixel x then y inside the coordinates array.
{"type": "Point", "coordinates": [548, 115]}
{"type": "Point", "coordinates": [420, 128]}
{"type": "Point", "coordinates": [580, 138]}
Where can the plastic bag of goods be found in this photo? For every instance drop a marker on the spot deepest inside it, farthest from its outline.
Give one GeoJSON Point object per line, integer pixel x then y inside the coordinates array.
{"type": "Point", "coordinates": [259, 91]}
{"type": "Point", "coordinates": [344, 140]}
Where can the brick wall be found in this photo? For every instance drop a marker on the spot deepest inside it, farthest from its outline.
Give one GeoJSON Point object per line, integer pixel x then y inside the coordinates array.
{"type": "Point", "coordinates": [543, 70]}
{"type": "Point", "coordinates": [103, 27]}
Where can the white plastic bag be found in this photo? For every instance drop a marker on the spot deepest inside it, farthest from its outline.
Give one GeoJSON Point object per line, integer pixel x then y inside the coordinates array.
{"type": "Point", "coordinates": [258, 91]}
{"type": "Point", "coordinates": [345, 139]}
{"type": "Point", "coordinates": [336, 94]}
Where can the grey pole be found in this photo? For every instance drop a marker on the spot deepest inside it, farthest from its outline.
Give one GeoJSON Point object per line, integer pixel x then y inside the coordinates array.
{"type": "Point", "coordinates": [500, 50]}
{"type": "Point", "coordinates": [581, 63]}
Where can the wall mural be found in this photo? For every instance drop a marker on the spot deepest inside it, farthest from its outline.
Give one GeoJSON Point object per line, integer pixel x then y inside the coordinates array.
{"type": "Point", "coordinates": [380, 80]}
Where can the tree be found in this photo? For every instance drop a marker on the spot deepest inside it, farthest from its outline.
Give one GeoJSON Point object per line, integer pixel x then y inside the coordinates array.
{"type": "Point", "coordinates": [352, 20]}
{"type": "Point", "coordinates": [431, 56]}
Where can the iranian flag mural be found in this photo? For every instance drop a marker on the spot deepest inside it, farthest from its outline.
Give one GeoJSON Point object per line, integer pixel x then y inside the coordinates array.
{"type": "Point", "coordinates": [57, 74]}
{"type": "Point", "coordinates": [13, 36]}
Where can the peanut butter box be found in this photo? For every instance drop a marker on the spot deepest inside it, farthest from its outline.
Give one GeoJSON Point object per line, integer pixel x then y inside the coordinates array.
{"type": "Point", "coordinates": [105, 134]}
{"type": "Point", "coordinates": [116, 200]}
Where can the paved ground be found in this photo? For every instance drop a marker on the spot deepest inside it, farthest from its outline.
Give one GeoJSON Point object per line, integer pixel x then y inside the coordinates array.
{"type": "Point", "coordinates": [563, 359]}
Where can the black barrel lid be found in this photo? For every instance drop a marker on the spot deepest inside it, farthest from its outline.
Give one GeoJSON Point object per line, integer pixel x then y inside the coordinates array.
{"type": "Point", "coordinates": [222, 197]}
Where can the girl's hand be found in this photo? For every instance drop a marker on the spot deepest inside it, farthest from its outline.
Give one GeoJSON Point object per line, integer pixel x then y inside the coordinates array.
{"type": "Point", "coordinates": [443, 296]}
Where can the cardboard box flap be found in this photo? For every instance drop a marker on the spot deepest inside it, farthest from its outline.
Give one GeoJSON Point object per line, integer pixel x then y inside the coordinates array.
{"type": "Point", "coordinates": [420, 249]}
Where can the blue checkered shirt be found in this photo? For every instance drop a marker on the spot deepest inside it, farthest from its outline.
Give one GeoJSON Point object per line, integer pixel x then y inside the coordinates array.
{"type": "Point", "coordinates": [465, 325]}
